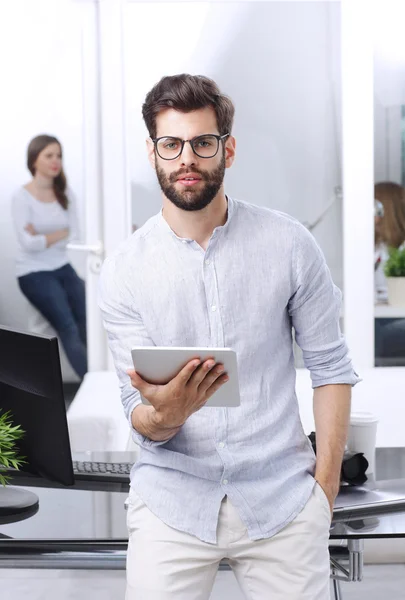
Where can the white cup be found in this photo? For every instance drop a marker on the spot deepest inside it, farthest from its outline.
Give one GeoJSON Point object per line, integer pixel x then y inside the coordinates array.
{"type": "Point", "coordinates": [362, 436]}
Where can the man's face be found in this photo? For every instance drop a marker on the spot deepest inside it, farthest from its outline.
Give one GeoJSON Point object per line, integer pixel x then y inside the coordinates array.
{"type": "Point", "coordinates": [190, 182]}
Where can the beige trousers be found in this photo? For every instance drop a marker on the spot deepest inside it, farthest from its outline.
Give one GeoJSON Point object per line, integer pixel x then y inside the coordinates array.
{"type": "Point", "coordinates": [166, 564]}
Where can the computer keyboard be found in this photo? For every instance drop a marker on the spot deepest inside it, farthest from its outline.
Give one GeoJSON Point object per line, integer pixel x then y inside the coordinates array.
{"type": "Point", "coordinates": [102, 471]}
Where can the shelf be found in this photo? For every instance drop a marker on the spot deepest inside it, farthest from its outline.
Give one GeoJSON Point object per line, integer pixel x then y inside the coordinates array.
{"type": "Point", "coordinates": [385, 311]}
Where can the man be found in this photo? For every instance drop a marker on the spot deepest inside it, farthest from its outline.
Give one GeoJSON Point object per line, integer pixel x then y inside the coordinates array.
{"type": "Point", "coordinates": [213, 483]}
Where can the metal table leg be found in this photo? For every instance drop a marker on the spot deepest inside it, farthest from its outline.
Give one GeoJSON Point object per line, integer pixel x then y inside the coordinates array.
{"type": "Point", "coordinates": [353, 554]}
{"type": "Point", "coordinates": [356, 558]}
{"type": "Point", "coordinates": [336, 587]}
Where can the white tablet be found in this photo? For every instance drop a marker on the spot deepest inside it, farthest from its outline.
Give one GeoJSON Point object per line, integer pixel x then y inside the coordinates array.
{"type": "Point", "coordinates": [159, 364]}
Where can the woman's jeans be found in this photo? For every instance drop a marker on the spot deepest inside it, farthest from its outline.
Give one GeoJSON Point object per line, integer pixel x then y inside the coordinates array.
{"type": "Point", "coordinates": [389, 342]}
{"type": "Point", "coordinates": [59, 295]}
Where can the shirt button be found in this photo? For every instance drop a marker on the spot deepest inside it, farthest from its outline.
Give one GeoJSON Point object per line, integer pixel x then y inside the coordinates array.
{"type": "Point", "coordinates": [221, 445]}
{"type": "Point", "coordinates": [225, 481]}
{"type": "Point", "coordinates": [207, 262]}
{"type": "Point", "coordinates": [184, 241]}
{"type": "Point", "coordinates": [213, 308]}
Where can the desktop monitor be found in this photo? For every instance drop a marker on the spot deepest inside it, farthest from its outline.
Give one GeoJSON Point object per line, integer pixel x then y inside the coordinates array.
{"type": "Point", "coordinates": [31, 390]}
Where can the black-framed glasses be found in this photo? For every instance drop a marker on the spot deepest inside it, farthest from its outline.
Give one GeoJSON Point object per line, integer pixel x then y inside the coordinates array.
{"type": "Point", "coordinates": [204, 146]}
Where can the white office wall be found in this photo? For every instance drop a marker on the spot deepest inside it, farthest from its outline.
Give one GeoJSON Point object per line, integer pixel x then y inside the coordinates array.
{"type": "Point", "coordinates": [280, 63]}
{"type": "Point", "coordinates": [41, 92]}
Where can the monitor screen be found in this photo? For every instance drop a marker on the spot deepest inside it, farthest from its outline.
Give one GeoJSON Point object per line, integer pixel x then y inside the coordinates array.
{"type": "Point", "coordinates": [31, 390]}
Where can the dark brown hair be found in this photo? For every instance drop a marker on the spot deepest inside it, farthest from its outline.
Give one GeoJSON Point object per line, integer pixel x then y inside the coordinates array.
{"type": "Point", "coordinates": [392, 227]}
{"type": "Point", "coordinates": [35, 147]}
{"type": "Point", "coordinates": [186, 93]}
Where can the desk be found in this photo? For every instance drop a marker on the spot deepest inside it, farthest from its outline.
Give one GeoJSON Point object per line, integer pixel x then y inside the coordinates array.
{"type": "Point", "coordinates": [86, 529]}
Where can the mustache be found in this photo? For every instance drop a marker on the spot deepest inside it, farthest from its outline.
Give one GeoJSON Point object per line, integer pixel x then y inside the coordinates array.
{"type": "Point", "coordinates": [174, 176]}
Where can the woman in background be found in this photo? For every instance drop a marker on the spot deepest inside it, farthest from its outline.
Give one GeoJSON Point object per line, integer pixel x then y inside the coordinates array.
{"type": "Point", "coordinates": [45, 220]}
{"type": "Point", "coordinates": [389, 220]}
{"type": "Point", "coordinates": [391, 229]}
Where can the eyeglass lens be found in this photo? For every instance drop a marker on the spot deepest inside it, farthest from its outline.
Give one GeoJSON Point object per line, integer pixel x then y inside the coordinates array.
{"type": "Point", "coordinates": [205, 146]}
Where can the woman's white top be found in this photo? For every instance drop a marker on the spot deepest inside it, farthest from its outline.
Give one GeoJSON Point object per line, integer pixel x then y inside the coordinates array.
{"type": "Point", "coordinates": [380, 281]}
{"type": "Point", "coordinates": [46, 217]}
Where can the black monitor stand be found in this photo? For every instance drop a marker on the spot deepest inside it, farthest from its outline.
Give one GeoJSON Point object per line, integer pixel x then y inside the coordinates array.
{"type": "Point", "coordinates": [16, 504]}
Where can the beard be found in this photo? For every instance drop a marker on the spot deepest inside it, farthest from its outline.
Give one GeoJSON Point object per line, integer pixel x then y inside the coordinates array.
{"type": "Point", "coordinates": [190, 199]}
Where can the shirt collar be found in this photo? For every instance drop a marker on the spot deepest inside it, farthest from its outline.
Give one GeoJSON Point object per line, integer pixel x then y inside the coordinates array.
{"type": "Point", "coordinates": [166, 227]}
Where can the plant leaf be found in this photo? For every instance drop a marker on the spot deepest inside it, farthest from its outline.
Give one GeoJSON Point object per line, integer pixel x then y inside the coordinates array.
{"type": "Point", "coordinates": [10, 433]}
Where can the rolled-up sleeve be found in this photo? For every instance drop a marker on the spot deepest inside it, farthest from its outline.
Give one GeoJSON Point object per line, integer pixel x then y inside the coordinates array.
{"type": "Point", "coordinates": [125, 330]}
{"type": "Point", "coordinates": [314, 308]}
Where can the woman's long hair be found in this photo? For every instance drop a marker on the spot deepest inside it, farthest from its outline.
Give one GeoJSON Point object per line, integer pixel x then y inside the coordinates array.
{"type": "Point", "coordinates": [35, 147]}
{"type": "Point", "coordinates": [391, 230]}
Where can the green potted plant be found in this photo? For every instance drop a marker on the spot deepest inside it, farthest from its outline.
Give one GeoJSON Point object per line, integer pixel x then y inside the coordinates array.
{"type": "Point", "coordinates": [394, 270]}
{"type": "Point", "coordinates": [9, 435]}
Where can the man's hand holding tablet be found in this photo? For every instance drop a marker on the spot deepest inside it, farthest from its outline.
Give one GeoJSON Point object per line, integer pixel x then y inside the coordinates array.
{"type": "Point", "coordinates": [183, 395]}
{"type": "Point", "coordinates": [177, 382]}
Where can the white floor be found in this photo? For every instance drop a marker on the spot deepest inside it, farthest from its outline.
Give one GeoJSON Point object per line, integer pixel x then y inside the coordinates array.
{"type": "Point", "coordinates": [380, 581]}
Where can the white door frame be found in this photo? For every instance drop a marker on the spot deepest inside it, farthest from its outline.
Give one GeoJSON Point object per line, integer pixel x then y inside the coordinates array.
{"type": "Point", "coordinates": [116, 197]}
{"type": "Point", "coordinates": [117, 217]}
{"type": "Point", "coordinates": [358, 179]}
{"type": "Point", "coordinates": [93, 208]}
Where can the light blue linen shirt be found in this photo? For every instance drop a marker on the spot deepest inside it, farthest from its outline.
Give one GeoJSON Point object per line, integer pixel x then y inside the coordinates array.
{"type": "Point", "coordinates": [261, 275]}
